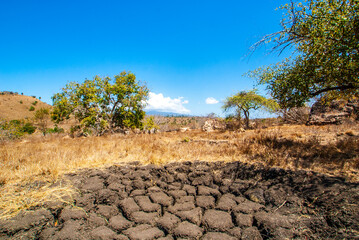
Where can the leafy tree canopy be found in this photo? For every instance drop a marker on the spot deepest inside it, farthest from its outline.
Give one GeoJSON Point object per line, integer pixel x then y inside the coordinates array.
{"type": "Point", "coordinates": [102, 104]}
{"type": "Point", "coordinates": [325, 38]}
{"type": "Point", "coordinates": [245, 101]}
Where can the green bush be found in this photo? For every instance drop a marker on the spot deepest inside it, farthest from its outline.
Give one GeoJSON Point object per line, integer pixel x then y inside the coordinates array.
{"type": "Point", "coordinates": [34, 103]}
{"type": "Point", "coordinates": [15, 129]}
{"type": "Point", "coordinates": [28, 128]}
{"type": "Point", "coordinates": [56, 129]}
{"type": "Point", "coordinates": [150, 123]}
{"type": "Point", "coordinates": [21, 102]}
{"type": "Point", "coordinates": [31, 109]}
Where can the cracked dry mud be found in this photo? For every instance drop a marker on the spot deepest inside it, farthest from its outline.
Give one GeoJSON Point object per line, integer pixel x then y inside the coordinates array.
{"type": "Point", "coordinates": [196, 200]}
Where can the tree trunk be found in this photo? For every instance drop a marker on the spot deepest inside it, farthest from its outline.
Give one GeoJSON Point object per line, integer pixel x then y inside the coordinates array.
{"type": "Point", "coordinates": [246, 115]}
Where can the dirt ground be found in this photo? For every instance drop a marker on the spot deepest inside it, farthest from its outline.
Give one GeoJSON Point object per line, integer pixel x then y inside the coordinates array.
{"type": "Point", "coordinates": [196, 200]}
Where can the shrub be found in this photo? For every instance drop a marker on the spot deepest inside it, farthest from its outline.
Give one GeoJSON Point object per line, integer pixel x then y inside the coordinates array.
{"type": "Point", "coordinates": [150, 124]}
{"type": "Point", "coordinates": [15, 129]}
{"type": "Point", "coordinates": [56, 129]}
{"type": "Point", "coordinates": [28, 128]}
{"type": "Point", "coordinates": [34, 103]}
{"type": "Point", "coordinates": [31, 109]}
{"type": "Point", "coordinates": [41, 118]}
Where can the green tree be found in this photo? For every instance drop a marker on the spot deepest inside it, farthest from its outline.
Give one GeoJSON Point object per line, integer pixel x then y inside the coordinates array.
{"type": "Point", "coordinates": [324, 37]}
{"type": "Point", "coordinates": [102, 104]}
{"type": "Point", "coordinates": [245, 101]}
{"type": "Point", "coordinates": [42, 118]}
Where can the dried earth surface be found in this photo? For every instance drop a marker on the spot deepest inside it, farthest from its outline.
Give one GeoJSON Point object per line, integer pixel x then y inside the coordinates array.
{"type": "Point", "coordinates": [196, 200]}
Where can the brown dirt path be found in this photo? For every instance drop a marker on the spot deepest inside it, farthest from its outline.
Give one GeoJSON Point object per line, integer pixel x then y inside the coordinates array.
{"type": "Point", "coordinates": [196, 200]}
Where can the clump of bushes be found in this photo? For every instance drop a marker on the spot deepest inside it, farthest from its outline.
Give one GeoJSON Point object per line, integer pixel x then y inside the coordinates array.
{"type": "Point", "coordinates": [15, 129]}
{"type": "Point", "coordinates": [31, 109]}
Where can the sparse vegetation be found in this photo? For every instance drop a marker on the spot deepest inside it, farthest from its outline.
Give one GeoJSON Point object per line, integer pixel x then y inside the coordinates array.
{"type": "Point", "coordinates": [15, 129]}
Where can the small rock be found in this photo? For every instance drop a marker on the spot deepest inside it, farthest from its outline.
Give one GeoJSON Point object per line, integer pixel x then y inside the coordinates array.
{"type": "Point", "coordinates": [226, 202]}
{"type": "Point", "coordinates": [161, 198]}
{"type": "Point", "coordinates": [107, 211]}
{"type": "Point", "coordinates": [103, 233]}
{"type": "Point", "coordinates": [146, 205]}
{"type": "Point", "coordinates": [194, 215]}
{"type": "Point", "coordinates": [217, 236]}
{"type": "Point", "coordinates": [177, 193]}
{"type": "Point", "coordinates": [143, 232]}
{"type": "Point", "coordinates": [137, 192]}
{"type": "Point", "coordinates": [217, 220]}
{"type": "Point", "coordinates": [191, 190]}
{"type": "Point", "coordinates": [119, 223]}
{"type": "Point", "coordinates": [203, 190]}
{"type": "Point", "coordinates": [168, 221]}
{"type": "Point", "coordinates": [248, 207]}
{"type": "Point", "coordinates": [251, 233]}
{"type": "Point", "coordinates": [144, 217]}
{"type": "Point", "coordinates": [237, 232]}
{"type": "Point", "coordinates": [71, 230]}
{"type": "Point", "coordinates": [186, 206]}
{"type": "Point", "coordinates": [272, 221]}
{"type": "Point", "coordinates": [205, 201]}
{"type": "Point", "coordinates": [243, 220]}
{"type": "Point", "coordinates": [256, 195]}
{"type": "Point", "coordinates": [129, 206]}
{"type": "Point", "coordinates": [72, 213]}
{"type": "Point", "coordinates": [95, 220]}
{"type": "Point", "coordinates": [188, 230]}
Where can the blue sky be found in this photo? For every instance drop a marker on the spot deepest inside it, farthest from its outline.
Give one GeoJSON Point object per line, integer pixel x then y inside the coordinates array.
{"type": "Point", "coordinates": [185, 51]}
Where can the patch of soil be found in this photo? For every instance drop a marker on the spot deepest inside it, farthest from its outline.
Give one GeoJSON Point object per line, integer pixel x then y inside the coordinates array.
{"type": "Point", "coordinates": [197, 200]}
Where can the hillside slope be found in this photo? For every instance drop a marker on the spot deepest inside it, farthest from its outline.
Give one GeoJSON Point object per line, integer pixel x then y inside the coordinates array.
{"type": "Point", "coordinates": [18, 106]}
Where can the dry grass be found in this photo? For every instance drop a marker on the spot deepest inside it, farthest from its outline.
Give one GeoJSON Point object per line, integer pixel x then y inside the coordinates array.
{"type": "Point", "coordinates": [29, 167]}
{"type": "Point", "coordinates": [17, 106]}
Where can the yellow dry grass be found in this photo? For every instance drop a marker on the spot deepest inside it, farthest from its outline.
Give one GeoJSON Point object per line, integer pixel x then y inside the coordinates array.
{"type": "Point", "coordinates": [29, 167]}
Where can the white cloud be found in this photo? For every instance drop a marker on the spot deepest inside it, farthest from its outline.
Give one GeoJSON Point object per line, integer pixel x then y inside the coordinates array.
{"type": "Point", "coordinates": [166, 104]}
{"type": "Point", "coordinates": [211, 100]}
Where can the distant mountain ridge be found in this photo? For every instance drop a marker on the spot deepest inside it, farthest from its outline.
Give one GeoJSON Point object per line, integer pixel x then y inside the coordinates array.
{"type": "Point", "coordinates": [166, 114]}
